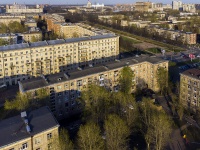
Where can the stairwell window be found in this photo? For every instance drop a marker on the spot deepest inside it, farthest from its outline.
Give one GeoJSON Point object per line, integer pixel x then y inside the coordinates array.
{"type": "Point", "coordinates": [49, 136]}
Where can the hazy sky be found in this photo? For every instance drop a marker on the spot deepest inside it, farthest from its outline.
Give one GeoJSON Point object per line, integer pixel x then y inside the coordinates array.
{"type": "Point", "coordinates": [85, 1]}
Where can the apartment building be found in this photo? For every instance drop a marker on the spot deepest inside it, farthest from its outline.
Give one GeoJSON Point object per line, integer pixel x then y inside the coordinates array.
{"type": "Point", "coordinates": [30, 23]}
{"type": "Point", "coordinates": [32, 36]}
{"type": "Point", "coordinates": [66, 87]}
{"type": "Point", "coordinates": [56, 24]}
{"type": "Point", "coordinates": [189, 8]}
{"type": "Point", "coordinates": [69, 30]}
{"type": "Point", "coordinates": [6, 21]}
{"type": "Point", "coordinates": [33, 130]}
{"type": "Point", "coordinates": [21, 8]}
{"type": "Point", "coordinates": [22, 61]}
{"type": "Point", "coordinates": [185, 37]}
{"type": "Point", "coordinates": [190, 38]}
{"type": "Point", "coordinates": [177, 5]}
{"type": "Point", "coordinates": [143, 6]}
{"type": "Point", "coordinates": [190, 88]}
{"type": "Point", "coordinates": [10, 38]}
{"type": "Point", "coordinates": [51, 19]}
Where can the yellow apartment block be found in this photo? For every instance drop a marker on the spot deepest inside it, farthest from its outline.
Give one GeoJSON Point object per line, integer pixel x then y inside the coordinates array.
{"type": "Point", "coordinates": [32, 36]}
{"type": "Point", "coordinates": [22, 61]}
{"type": "Point", "coordinates": [33, 130]}
{"type": "Point", "coordinates": [190, 88]}
{"type": "Point", "coordinates": [64, 88]}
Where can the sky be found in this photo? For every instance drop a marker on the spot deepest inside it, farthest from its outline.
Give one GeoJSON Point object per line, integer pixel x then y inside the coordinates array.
{"type": "Point", "coordinates": [85, 1]}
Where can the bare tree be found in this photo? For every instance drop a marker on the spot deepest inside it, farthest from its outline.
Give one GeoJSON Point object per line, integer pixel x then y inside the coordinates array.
{"type": "Point", "coordinates": [89, 137]}
{"type": "Point", "coordinates": [117, 133]}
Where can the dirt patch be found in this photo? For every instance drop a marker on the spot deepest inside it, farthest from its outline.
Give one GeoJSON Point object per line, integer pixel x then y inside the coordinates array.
{"type": "Point", "coordinates": [145, 45]}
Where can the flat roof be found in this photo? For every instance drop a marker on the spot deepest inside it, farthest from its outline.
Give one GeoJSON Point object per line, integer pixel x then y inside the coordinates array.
{"type": "Point", "coordinates": [53, 42]}
{"type": "Point", "coordinates": [40, 82]}
{"type": "Point", "coordinates": [14, 129]}
{"type": "Point", "coordinates": [193, 73]}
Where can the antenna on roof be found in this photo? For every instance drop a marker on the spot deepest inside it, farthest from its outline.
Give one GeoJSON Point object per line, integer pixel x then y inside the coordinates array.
{"type": "Point", "coordinates": [24, 117]}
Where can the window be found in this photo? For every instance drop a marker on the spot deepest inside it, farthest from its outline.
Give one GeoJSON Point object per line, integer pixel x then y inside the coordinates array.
{"type": "Point", "coordinates": [24, 146]}
{"type": "Point", "coordinates": [49, 136]}
{"type": "Point", "coordinates": [37, 140]}
{"type": "Point", "coordinates": [59, 87]}
{"type": "Point", "coordinates": [49, 146]}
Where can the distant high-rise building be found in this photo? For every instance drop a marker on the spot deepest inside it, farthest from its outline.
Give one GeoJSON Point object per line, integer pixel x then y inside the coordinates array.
{"type": "Point", "coordinates": [177, 5]}
{"type": "Point", "coordinates": [189, 8]}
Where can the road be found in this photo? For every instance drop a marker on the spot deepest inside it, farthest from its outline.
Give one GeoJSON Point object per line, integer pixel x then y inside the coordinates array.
{"type": "Point", "coordinates": [177, 142]}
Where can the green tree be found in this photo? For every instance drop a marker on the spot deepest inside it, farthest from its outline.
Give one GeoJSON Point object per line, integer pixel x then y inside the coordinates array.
{"type": "Point", "coordinates": [155, 125]}
{"type": "Point", "coordinates": [125, 106]}
{"type": "Point", "coordinates": [3, 42]}
{"type": "Point", "coordinates": [24, 101]}
{"type": "Point", "coordinates": [159, 130]}
{"type": "Point", "coordinates": [3, 28]}
{"type": "Point", "coordinates": [16, 27]}
{"type": "Point", "coordinates": [96, 101]}
{"type": "Point", "coordinates": [162, 79]}
{"type": "Point", "coordinates": [117, 133]}
{"type": "Point", "coordinates": [34, 39]}
{"type": "Point", "coordinates": [126, 80]}
{"type": "Point", "coordinates": [64, 141]}
{"type": "Point", "coordinates": [89, 137]}
{"type": "Point", "coordinates": [75, 35]}
{"type": "Point", "coordinates": [21, 102]}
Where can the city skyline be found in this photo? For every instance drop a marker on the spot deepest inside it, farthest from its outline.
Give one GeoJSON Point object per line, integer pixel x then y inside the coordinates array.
{"type": "Point", "coordinates": [85, 1]}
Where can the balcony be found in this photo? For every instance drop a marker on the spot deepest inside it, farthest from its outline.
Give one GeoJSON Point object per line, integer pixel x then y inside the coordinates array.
{"type": "Point", "coordinates": [101, 83]}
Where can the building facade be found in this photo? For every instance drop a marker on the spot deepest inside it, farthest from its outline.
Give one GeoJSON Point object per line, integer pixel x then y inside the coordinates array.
{"type": "Point", "coordinates": [190, 88]}
{"type": "Point", "coordinates": [177, 5]}
{"type": "Point", "coordinates": [65, 88]}
{"type": "Point", "coordinates": [10, 38]}
{"type": "Point", "coordinates": [30, 131]}
{"type": "Point", "coordinates": [32, 36]}
{"type": "Point", "coordinates": [18, 8]}
{"type": "Point", "coordinates": [189, 8]}
{"type": "Point", "coordinates": [175, 35]}
{"type": "Point", "coordinates": [22, 61]}
{"type": "Point", "coordinates": [143, 6]}
{"type": "Point", "coordinates": [6, 21]}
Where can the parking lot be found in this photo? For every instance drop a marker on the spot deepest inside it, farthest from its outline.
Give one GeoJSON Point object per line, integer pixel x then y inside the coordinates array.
{"type": "Point", "coordinates": [188, 66]}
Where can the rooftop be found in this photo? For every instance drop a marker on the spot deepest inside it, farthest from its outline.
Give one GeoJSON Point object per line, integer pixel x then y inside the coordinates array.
{"type": "Point", "coordinates": [52, 42]}
{"type": "Point", "coordinates": [14, 129]}
{"type": "Point", "coordinates": [194, 73]}
{"type": "Point", "coordinates": [39, 82]}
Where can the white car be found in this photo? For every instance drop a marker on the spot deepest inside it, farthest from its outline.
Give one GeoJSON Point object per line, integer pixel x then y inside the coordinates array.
{"type": "Point", "coordinates": [198, 55]}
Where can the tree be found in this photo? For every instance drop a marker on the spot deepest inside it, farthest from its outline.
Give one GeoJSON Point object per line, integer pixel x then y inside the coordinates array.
{"type": "Point", "coordinates": [64, 141]}
{"type": "Point", "coordinates": [125, 106]}
{"type": "Point", "coordinates": [96, 101]}
{"type": "Point", "coordinates": [3, 28]}
{"type": "Point", "coordinates": [89, 137]}
{"type": "Point", "coordinates": [16, 27]}
{"type": "Point", "coordinates": [24, 101]}
{"type": "Point", "coordinates": [117, 133]}
{"type": "Point", "coordinates": [21, 102]}
{"type": "Point", "coordinates": [155, 125]}
{"type": "Point", "coordinates": [162, 79]}
{"type": "Point", "coordinates": [3, 42]}
{"type": "Point", "coordinates": [126, 80]}
{"type": "Point", "coordinates": [75, 35]}
{"type": "Point", "coordinates": [159, 130]}
{"type": "Point", "coordinates": [34, 39]}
